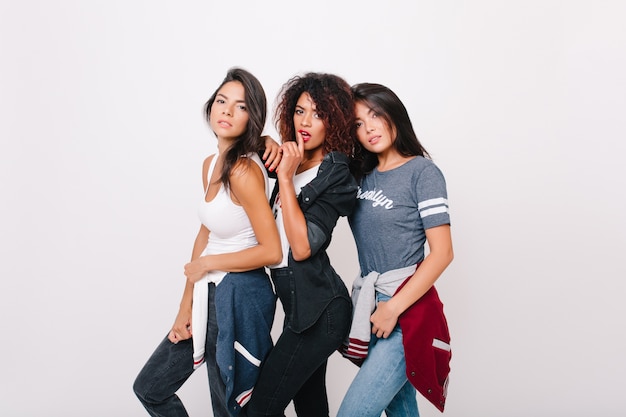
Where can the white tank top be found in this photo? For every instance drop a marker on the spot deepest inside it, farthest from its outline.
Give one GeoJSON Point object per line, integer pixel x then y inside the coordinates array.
{"type": "Point", "coordinates": [228, 223]}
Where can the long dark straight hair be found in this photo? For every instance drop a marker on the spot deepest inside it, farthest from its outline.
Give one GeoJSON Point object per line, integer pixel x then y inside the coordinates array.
{"type": "Point", "coordinates": [256, 106]}
{"type": "Point", "coordinates": [388, 106]}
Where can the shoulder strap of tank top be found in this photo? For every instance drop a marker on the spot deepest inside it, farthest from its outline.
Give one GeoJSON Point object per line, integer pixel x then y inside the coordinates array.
{"type": "Point", "coordinates": [210, 172]}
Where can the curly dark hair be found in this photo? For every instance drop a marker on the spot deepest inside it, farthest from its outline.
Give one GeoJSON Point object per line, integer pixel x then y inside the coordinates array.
{"type": "Point", "coordinates": [256, 106]}
{"type": "Point", "coordinates": [333, 100]}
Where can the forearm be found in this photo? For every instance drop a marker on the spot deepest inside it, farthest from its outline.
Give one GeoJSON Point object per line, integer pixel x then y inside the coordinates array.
{"type": "Point", "coordinates": [421, 281]}
{"type": "Point", "coordinates": [294, 222]}
{"type": "Point", "coordinates": [187, 298]}
{"type": "Point", "coordinates": [387, 313]}
{"type": "Point", "coordinates": [440, 256]}
{"type": "Point", "coordinates": [245, 260]}
{"type": "Point", "coordinates": [199, 245]}
{"type": "Point", "coordinates": [181, 329]}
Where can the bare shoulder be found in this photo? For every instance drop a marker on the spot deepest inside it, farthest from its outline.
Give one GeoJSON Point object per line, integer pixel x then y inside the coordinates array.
{"type": "Point", "coordinates": [246, 180]}
{"type": "Point", "coordinates": [245, 167]}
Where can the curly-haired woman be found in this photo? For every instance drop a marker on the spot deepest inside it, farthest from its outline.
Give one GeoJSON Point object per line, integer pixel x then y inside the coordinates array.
{"type": "Point", "coordinates": [314, 187]}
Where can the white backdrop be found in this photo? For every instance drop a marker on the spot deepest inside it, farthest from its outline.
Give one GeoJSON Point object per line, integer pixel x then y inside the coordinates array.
{"type": "Point", "coordinates": [521, 104]}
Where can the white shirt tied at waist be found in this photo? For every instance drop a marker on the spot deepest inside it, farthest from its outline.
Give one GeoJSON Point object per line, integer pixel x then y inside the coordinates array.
{"type": "Point", "coordinates": [200, 313]}
{"type": "Point", "coordinates": [364, 291]}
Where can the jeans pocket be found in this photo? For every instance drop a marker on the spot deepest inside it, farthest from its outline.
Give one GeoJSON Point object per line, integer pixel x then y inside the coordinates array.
{"type": "Point", "coordinates": [338, 318]}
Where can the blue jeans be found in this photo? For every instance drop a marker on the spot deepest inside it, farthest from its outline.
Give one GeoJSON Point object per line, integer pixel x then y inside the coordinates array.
{"type": "Point", "coordinates": [296, 367]}
{"type": "Point", "coordinates": [171, 365]}
{"type": "Point", "coordinates": [381, 383]}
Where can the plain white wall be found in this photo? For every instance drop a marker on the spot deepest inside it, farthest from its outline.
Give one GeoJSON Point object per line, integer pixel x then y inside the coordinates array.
{"type": "Point", "coordinates": [521, 104]}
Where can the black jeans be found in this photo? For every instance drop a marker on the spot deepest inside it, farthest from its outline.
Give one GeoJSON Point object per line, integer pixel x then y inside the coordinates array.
{"type": "Point", "coordinates": [171, 365]}
{"type": "Point", "coordinates": [296, 367]}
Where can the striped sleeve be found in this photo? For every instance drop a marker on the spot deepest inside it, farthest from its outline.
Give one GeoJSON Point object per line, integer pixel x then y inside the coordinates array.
{"type": "Point", "coordinates": [432, 197]}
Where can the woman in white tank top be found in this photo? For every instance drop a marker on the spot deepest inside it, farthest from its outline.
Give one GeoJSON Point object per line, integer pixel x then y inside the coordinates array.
{"type": "Point", "coordinates": [237, 238]}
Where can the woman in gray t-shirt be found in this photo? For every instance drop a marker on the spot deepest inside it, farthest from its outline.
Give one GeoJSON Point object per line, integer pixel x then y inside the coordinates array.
{"type": "Point", "coordinates": [402, 204]}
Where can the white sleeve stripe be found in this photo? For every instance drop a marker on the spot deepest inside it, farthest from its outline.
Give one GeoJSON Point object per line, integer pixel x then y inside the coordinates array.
{"type": "Point", "coordinates": [239, 348]}
{"type": "Point", "coordinates": [434, 210]}
{"type": "Point", "coordinates": [432, 202]}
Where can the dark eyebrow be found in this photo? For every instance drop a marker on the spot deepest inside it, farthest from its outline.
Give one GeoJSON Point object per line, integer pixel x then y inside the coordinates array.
{"type": "Point", "coordinates": [313, 108]}
{"type": "Point", "coordinates": [226, 97]}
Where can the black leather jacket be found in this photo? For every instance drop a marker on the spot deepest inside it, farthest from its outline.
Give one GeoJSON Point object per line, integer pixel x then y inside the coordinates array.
{"type": "Point", "coordinates": [306, 287]}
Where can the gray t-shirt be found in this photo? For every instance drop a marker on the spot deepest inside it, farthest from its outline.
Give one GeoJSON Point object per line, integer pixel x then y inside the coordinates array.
{"type": "Point", "coordinates": [393, 210]}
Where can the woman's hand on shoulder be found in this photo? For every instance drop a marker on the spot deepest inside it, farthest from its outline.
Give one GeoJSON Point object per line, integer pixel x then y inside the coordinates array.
{"type": "Point", "coordinates": [272, 154]}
